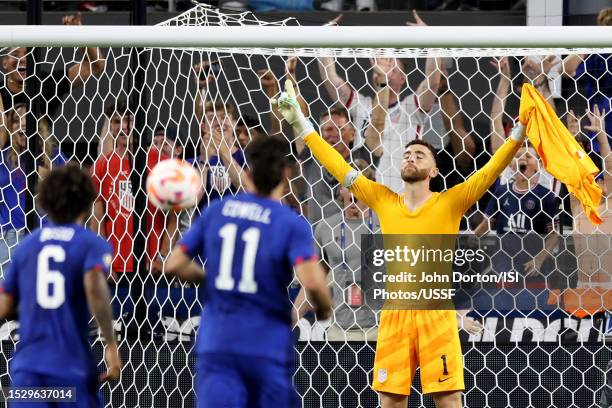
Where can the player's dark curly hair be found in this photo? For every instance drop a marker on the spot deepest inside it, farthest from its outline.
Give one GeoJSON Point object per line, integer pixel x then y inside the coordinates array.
{"type": "Point", "coordinates": [267, 159]}
{"type": "Point", "coordinates": [66, 193]}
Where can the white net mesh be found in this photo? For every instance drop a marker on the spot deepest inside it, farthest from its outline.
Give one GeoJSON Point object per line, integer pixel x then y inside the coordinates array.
{"type": "Point", "coordinates": [121, 111]}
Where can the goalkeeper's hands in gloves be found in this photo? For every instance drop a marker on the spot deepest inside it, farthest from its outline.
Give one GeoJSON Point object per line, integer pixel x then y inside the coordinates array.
{"type": "Point", "coordinates": [518, 133]}
{"type": "Point", "coordinates": [288, 105]}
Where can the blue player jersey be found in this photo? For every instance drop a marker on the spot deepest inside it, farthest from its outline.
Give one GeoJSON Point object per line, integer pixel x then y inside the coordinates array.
{"type": "Point", "coordinates": [249, 245]}
{"type": "Point", "coordinates": [522, 213]}
{"type": "Point", "coordinates": [45, 279]}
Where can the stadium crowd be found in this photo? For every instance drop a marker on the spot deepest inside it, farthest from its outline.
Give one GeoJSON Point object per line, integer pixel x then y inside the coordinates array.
{"type": "Point", "coordinates": [369, 129]}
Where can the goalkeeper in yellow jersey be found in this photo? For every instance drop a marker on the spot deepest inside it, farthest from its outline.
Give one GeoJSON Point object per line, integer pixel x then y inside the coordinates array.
{"type": "Point", "coordinates": [409, 338]}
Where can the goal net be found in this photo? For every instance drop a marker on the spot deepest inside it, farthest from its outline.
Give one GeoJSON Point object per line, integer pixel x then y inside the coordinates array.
{"type": "Point", "coordinates": [539, 341]}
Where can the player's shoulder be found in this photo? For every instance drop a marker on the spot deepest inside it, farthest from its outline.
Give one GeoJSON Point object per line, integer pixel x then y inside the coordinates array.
{"type": "Point", "coordinates": [386, 196]}
{"type": "Point", "coordinates": [249, 206]}
{"type": "Point", "coordinates": [215, 206]}
{"type": "Point", "coordinates": [296, 224]}
{"type": "Point", "coordinates": [89, 237]}
{"type": "Point", "coordinates": [72, 234]}
{"type": "Point", "coordinates": [281, 216]}
{"type": "Point", "coordinates": [27, 244]}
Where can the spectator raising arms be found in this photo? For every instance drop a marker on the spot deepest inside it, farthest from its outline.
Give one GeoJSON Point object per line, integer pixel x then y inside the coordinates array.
{"type": "Point", "coordinates": [338, 130]}
{"type": "Point", "coordinates": [498, 130]}
{"type": "Point", "coordinates": [221, 159]}
{"type": "Point", "coordinates": [592, 244]}
{"type": "Point", "coordinates": [51, 87]}
{"type": "Point", "coordinates": [594, 72]}
{"type": "Point", "coordinates": [445, 130]}
{"type": "Point", "coordinates": [406, 116]}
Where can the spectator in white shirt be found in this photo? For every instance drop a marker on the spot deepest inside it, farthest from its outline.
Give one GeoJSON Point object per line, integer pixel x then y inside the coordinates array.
{"type": "Point", "coordinates": [406, 114]}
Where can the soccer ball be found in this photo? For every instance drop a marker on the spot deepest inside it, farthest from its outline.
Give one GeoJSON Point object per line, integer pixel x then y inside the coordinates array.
{"type": "Point", "coordinates": [174, 185]}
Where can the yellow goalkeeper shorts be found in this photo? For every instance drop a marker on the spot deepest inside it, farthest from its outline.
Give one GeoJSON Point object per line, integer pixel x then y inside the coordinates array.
{"type": "Point", "coordinates": [411, 338]}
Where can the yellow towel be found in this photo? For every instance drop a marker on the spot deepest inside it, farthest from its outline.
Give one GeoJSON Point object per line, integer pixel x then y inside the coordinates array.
{"type": "Point", "coordinates": [562, 156]}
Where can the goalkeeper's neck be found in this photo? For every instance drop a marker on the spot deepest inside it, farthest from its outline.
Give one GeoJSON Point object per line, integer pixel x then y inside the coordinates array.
{"type": "Point", "coordinates": [416, 193]}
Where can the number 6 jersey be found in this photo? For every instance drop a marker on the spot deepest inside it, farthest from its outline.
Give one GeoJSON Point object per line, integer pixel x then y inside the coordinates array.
{"type": "Point", "coordinates": [45, 279]}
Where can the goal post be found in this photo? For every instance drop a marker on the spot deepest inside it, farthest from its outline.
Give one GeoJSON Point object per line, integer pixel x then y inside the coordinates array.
{"type": "Point", "coordinates": [208, 72]}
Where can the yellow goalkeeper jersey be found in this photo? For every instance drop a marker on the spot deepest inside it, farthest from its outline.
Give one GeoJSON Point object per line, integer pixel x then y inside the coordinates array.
{"type": "Point", "coordinates": [440, 214]}
{"type": "Point", "coordinates": [408, 338]}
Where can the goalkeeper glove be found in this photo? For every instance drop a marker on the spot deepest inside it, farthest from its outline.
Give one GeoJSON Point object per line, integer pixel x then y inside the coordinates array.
{"type": "Point", "coordinates": [289, 107]}
{"type": "Point", "coordinates": [518, 133]}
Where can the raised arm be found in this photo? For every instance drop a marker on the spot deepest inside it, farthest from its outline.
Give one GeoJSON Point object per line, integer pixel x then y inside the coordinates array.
{"type": "Point", "coordinates": [269, 84]}
{"type": "Point", "coordinates": [571, 64]}
{"type": "Point", "coordinates": [363, 188]}
{"type": "Point", "coordinates": [202, 77]}
{"type": "Point", "coordinates": [93, 59]}
{"type": "Point", "coordinates": [476, 185]}
{"type": "Point", "coordinates": [597, 126]}
{"type": "Point", "coordinates": [291, 73]}
{"type": "Point", "coordinates": [498, 134]}
{"type": "Point", "coordinates": [427, 92]}
{"type": "Point", "coordinates": [374, 133]}
{"type": "Point", "coordinates": [462, 143]}
{"type": "Point", "coordinates": [428, 88]}
{"type": "Point", "coordinates": [604, 143]}
{"type": "Point", "coordinates": [337, 87]}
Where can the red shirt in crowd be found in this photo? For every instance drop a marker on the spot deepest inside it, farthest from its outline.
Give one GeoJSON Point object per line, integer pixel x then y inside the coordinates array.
{"type": "Point", "coordinates": [111, 178]}
{"type": "Point", "coordinates": [156, 219]}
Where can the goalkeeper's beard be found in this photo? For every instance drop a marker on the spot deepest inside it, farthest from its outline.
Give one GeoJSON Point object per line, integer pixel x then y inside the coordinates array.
{"type": "Point", "coordinates": [414, 175]}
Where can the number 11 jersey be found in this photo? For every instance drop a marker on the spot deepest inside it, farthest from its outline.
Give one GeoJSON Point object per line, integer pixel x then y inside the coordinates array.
{"type": "Point", "coordinates": [248, 245]}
